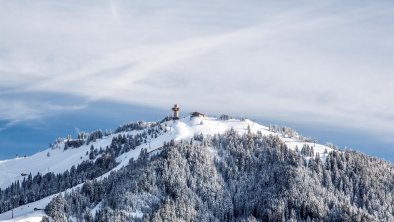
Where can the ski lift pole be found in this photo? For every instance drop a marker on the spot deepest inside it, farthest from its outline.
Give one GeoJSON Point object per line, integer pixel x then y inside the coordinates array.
{"type": "Point", "coordinates": [12, 210]}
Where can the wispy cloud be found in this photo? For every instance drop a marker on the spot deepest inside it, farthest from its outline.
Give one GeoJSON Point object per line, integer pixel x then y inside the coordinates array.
{"type": "Point", "coordinates": [16, 111]}
{"type": "Point", "coordinates": [326, 63]}
{"type": "Point", "coordinates": [19, 109]}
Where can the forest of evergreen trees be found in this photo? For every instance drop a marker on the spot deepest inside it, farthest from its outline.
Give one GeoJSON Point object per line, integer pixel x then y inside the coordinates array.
{"type": "Point", "coordinates": [236, 178]}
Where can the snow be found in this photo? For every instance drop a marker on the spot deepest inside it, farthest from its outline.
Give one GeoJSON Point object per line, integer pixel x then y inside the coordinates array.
{"type": "Point", "coordinates": [137, 214]}
{"type": "Point", "coordinates": [96, 209]}
{"type": "Point", "coordinates": [186, 128]}
{"type": "Point", "coordinates": [318, 148]}
{"type": "Point", "coordinates": [26, 212]}
{"type": "Point", "coordinates": [60, 160]}
{"type": "Point", "coordinates": [29, 217]}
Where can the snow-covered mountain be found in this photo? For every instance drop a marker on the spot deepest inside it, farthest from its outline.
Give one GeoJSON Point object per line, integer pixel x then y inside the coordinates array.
{"type": "Point", "coordinates": [58, 160]}
{"type": "Point", "coordinates": [106, 156]}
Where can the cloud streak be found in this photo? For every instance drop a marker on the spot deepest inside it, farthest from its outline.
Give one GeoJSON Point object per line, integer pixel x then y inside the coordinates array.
{"type": "Point", "coordinates": [325, 64]}
{"type": "Point", "coordinates": [15, 111]}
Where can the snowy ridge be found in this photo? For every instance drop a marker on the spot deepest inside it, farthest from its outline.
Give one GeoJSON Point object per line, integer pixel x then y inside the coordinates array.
{"type": "Point", "coordinates": [60, 160]}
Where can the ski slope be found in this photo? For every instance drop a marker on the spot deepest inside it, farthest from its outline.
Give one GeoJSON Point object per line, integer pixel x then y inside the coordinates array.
{"type": "Point", "coordinates": [60, 160]}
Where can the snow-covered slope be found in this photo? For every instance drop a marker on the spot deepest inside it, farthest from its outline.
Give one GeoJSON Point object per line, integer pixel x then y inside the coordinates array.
{"type": "Point", "coordinates": [59, 160]}
{"type": "Point", "coordinates": [56, 160]}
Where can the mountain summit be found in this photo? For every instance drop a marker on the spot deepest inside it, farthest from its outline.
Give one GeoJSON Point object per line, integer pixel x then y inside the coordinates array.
{"type": "Point", "coordinates": [196, 168]}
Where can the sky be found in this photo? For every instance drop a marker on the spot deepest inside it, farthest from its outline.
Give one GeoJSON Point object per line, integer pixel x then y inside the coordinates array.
{"type": "Point", "coordinates": [321, 67]}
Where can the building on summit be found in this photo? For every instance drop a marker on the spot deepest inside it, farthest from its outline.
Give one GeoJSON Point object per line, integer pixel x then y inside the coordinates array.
{"type": "Point", "coordinates": [197, 114]}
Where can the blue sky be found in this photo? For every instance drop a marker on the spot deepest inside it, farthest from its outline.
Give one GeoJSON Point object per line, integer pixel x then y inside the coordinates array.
{"type": "Point", "coordinates": [322, 67]}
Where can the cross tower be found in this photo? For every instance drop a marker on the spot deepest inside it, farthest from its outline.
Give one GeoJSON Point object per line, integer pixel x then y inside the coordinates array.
{"type": "Point", "coordinates": [176, 110]}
